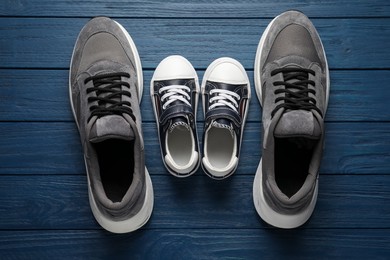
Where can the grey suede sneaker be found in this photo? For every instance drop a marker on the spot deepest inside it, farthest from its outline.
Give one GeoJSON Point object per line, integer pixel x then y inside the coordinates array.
{"type": "Point", "coordinates": [105, 87]}
{"type": "Point", "coordinates": [292, 84]}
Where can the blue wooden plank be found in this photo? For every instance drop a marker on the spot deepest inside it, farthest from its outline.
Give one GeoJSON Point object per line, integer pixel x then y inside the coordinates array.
{"type": "Point", "coordinates": [48, 43]}
{"type": "Point", "coordinates": [54, 148]}
{"type": "Point", "coordinates": [198, 244]}
{"type": "Point", "coordinates": [43, 193]}
{"type": "Point", "coordinates": [42, 95]}
{"type": "Point", "coordinates": [203, 8]}
{"type": "Point", "coordinates": [44, 202]}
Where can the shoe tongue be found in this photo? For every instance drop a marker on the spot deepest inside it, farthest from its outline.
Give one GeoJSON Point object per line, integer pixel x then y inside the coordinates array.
{"type": "Point", "coordinates": [111, 126]}
{"type": "Point", "coordinates": [179, 123]}
{"type": "Point", "coordinates": [298, 123]}
{"type": "Point", "coordinates": [223, 123]}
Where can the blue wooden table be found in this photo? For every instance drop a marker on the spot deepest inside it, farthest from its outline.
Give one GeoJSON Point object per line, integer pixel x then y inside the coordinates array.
{"type": "Point", "coordinates": [44, 209]}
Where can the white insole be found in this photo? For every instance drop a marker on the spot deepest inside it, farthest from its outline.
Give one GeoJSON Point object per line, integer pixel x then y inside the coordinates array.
{"type": "Point", "coordinates": [220, 147]}
{"type": "Point", "coordinates": [180, 145]}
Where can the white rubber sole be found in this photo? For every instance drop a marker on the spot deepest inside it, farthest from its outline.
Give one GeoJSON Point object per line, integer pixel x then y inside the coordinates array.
{"type": "Point", "coordinates": [206, 77]}
{"type": "Point", "coordinates": [138, 65]}
{"type": "Point", "coordinates": [195, 76]}
{"type": "Point", "coordinates": [271, 216]}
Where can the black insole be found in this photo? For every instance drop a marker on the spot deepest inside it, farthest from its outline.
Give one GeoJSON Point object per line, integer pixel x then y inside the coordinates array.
{"type": "Point", "coordinates": [292, 160]}
{"type": "Point", "coordinates": [116, 162]}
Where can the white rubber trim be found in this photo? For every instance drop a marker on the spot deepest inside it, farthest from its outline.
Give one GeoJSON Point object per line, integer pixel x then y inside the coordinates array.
{"type": "Point", "coordinates": [271, 216]}
{"type": "Point", "coordinates": [131, 224]}
{"type": "Point", "coordinates": [220, 173]}
{"type": "Point", "coordinates": [70, 86]}
{"type": "Point", "coordinates": [206, 77]}
{"type": "Point", "coordinates": [182, 169]}
{"type": "Point", "coordinates": [195, 76]}
{"type": "Point", "coordinates": [138, 64]}
{"type": "Point", "coordinates": [257, 66]}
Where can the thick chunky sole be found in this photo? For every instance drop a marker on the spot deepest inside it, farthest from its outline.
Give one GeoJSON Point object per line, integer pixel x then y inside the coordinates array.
{"type": "Point", "coordinates": [141, 218]}
{"type": "Point", "coordinates": [138, 65]}
{"type": "Point", "coordinates": [206, 77]}
{"type": "Point", "coordinates": [195, 76]}
{"type": "Point", "coordinates": [264, 210]}
{"type": "Point", "coordinates": [130, 224]}
{"type": "Point", "coordinates": [274, 218]}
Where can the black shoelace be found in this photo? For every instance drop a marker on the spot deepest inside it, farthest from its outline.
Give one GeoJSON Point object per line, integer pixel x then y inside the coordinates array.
{"type": "Point", "coordinates": [108, 104]}
{"type": "Point", "coordinates": [299, 98]}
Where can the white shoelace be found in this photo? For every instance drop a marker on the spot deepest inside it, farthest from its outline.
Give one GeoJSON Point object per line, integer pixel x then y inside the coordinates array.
{"type": "Point", "coordinates": [174, 93]}
{"type": "Point", "coordinates": [224, 98]}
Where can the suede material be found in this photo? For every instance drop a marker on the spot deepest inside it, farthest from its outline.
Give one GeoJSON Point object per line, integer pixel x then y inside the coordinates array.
{"type": "Point", "coordinates": [134, 198]}
{"type": "Point", "coordinates": [294, 40]}
{"type": "Point", "coordinates": [111, 126]}
{"type": "Point", "coordinates": [298, 123]}
{"type": "Point", "coordinates": [320, 87]}
{"type": "Point", "coordinates": [298, 46]}
{"type": "Point", "coordinates": [103, 48]}
{"type": "Point", "coordinates": [269, 98]}
{"type": "Point", "coordinates": [289, 18]}
{"type": "Point", "coordinates": [269, 89]}
{"type": "Point", "coordinates": [96, 26]}
{"type": "Point", "coordinates": [273, 195]}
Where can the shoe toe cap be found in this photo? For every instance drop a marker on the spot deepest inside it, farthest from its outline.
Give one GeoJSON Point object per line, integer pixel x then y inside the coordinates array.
{"type": "Point", "coordinates": [228, 71]}
{"type": "Point", "coordinates": [174, 67]}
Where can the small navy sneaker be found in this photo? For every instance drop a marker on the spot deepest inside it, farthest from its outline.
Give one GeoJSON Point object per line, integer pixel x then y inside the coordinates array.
{"type": "Point", "coordinates": [174, 90]}
{"type": "Point", "coordinates": [226, 94]}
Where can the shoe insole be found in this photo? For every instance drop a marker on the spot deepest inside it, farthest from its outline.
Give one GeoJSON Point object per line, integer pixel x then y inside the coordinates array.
{"type": "Point", "coordinates": [180, 145]}
{"type": "Point", "coordinates": [116, 162]}
{"type": "Point", "coordinates": [220, 147]}
{"type": "Point", "coordinates": [292, 160]}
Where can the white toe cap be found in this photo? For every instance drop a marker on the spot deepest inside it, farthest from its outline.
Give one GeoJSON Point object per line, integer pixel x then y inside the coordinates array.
{"type": "Point", "coordinates": [227, 70]}
{"type": "Point", "coordinates": [174, 67]}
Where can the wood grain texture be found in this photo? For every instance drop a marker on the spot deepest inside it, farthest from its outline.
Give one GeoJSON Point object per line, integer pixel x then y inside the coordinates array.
{"type": "Point", "coordinates": [198, 244]}
{"type": "Point", "coordinates": [54, 148]}
{"type": "Point", "coordinates": [48, 43]}
{"type": "Point", "coordinates": [61, 202]}
{"type": "Point", "coordinates": [44, 208]}
{"type": "Point", "coordinates": [42, 95]}
{"type": "Point", "coordinates": [203, 8]}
